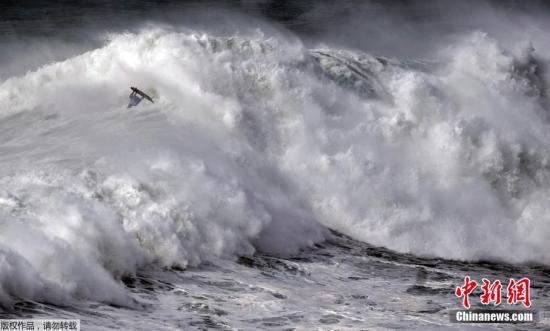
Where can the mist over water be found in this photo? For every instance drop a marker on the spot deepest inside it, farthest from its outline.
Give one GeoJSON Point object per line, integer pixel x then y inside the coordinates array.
{"type": "Point", "coordinates": [262, 139]}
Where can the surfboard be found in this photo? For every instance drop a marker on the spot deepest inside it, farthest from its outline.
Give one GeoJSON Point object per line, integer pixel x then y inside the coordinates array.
{"type": "Point", "coordinates": [143, 94]}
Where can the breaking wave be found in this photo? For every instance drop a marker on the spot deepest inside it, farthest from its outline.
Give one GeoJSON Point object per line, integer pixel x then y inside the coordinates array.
{"type": "Point", "coordinates": [258, 143]}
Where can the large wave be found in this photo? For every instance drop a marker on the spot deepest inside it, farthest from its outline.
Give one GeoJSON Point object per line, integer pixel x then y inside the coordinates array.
{"type": "Point", "coordinates": [256, 142]}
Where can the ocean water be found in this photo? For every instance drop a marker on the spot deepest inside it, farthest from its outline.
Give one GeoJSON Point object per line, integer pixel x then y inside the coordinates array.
{"type": "Point", "coordinates": [304, 166]}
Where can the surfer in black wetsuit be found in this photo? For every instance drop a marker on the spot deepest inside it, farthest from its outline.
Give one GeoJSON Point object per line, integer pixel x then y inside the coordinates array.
{"type": "Point", "coordinates": [135, 99]}
{"type": "Point", "coordinates": [136, 96]}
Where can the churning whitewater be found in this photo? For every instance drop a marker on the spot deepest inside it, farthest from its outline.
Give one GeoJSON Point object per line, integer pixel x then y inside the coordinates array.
{"type": "Point", "coordinates": [257, 143]}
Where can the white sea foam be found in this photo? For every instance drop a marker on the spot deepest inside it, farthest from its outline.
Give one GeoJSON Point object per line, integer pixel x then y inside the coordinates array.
{"type": "Point", "coordinates": [255, 142]}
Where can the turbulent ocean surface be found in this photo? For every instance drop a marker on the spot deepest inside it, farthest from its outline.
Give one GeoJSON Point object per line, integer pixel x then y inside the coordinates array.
{"type": "Point", "coordinates": [305, 166]}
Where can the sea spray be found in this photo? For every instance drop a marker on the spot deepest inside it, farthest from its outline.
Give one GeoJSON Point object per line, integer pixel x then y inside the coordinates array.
{"type": "Point", "coordinates": [256, 142]}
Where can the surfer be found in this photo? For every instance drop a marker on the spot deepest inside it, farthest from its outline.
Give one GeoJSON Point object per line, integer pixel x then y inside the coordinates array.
{"type": "Point", "coordinates": [137, 96]}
